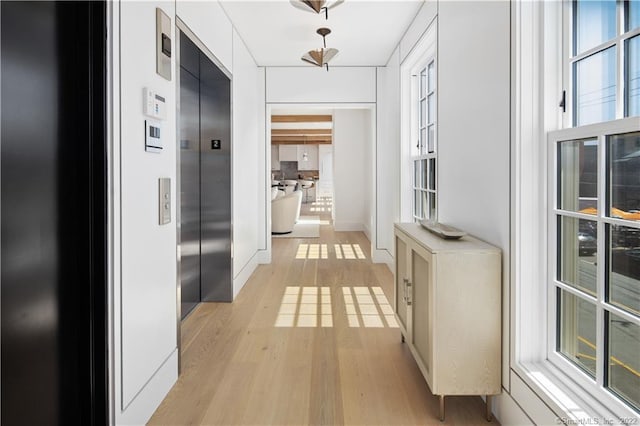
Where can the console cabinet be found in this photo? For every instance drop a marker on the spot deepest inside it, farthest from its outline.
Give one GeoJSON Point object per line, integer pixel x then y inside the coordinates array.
{"type": "Point", "coordinates": [448, 306]}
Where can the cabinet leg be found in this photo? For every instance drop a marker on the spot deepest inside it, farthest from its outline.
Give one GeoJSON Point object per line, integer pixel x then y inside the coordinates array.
{"type": "Point", "coordinates": [489, 415]}
{"type": "Point", "coordinates": [442, 408]}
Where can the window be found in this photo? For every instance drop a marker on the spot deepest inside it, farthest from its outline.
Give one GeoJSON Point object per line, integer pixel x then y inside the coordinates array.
{"type": "Point", "coordinates": [604, 60]}
{"type": "Point", "coordinates": [594, 202]}
{"type": "Point", "coordinates": [595, 268]}
{"type": "Point", "coordinates": [424, 153]}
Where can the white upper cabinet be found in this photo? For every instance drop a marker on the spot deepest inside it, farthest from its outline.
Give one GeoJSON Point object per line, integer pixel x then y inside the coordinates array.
{"type": "Point", "coordinates": [288, 152]}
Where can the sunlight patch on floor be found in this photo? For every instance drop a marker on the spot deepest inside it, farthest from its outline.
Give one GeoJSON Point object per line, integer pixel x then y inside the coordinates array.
{"type": "Point", "coordinates": [305, 307]}
{"type": "Point", "coordinates": [321, 251]}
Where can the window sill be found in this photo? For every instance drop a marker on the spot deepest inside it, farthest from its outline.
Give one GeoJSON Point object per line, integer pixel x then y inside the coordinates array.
{"type": "Point", "coordinates": [570, 402]}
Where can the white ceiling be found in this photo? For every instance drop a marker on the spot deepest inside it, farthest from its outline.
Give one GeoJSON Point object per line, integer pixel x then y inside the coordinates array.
{"type": "Point", "coordinates": [365, 32]}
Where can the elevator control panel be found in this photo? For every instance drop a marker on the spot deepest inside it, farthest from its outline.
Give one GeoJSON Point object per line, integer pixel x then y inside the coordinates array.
{"type": "Point", "coordinates": [163, 44]}
{"type": "Point", "coordinates": [164, 204]}
{"type": "Point", "coordinates": [152, 136]}
{"type": "Point", "coordinates": [154, 104]}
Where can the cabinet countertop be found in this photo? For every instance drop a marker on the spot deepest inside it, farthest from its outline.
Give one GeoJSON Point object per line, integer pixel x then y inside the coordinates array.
{"type": "Point", "coordinates": [435, 244]}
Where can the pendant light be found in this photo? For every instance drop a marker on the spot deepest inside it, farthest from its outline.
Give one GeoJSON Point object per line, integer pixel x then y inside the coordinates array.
{"type": "Point", "coordinates": [321, 57]}
{"type": "Point", "coordinates": [316, 6]}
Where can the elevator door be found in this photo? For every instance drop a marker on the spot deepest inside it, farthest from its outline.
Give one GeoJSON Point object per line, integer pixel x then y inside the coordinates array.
{"type": "Point", "coordinates": [53, 198]}
{"type": "Point", "coordinates": [205, 179]}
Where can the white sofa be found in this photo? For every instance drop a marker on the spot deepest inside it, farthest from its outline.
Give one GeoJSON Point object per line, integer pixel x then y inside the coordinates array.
{"type": "Point", "coordinates": [285, 212]}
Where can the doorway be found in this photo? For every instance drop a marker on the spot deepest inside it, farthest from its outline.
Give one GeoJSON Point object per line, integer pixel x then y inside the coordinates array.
{"type": "Point", "coordinates": [205, 179]}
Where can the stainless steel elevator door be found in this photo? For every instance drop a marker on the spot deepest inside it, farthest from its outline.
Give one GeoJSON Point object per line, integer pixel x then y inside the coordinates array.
{"type": "Point", "coordinates": [215, 183]}
{"type": "Point", "coordinates": [205, 180]}
{"type": "Point", "coordinates": [189, 191]}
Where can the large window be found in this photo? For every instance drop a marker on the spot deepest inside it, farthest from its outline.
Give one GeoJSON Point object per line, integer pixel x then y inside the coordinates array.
{"type": "Point", "coordinates": [603, 60]}
{"type": "Point", "coordinates": [594, 199]}
{"type": "Point", "coordinates": [424, 152]}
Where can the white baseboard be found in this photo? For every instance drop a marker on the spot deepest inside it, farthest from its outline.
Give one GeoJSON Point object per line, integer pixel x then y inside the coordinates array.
{"type": "Point", "coordinates": [382, 256]}
{"type": "Point", "coordinates": [348, 226]}
{"type": "Point", "coordinates": [140, 410]}
{"type": "Point", "coordinates": [242, 277]}
{"type": "Point", "coordinates": [263, 257]}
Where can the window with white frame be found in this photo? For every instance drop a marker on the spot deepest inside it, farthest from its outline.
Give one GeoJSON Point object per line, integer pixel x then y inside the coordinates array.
{"type": "Point", "coordinates": [603, 60]}
{"type": "Point", "coordinates": [424, 153]}
{"type": "Point", "coordinates": [594, 220]}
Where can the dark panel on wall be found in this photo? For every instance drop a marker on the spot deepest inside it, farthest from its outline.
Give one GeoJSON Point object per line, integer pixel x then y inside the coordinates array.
{"type": "Point", "coordinates": [53, 197]}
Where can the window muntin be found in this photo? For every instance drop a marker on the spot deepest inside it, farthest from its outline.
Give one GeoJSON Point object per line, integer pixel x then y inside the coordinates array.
{"type": "Point", "coordinates": [596, 279]}
{"type": "Point", "coordinates": [424, 154]}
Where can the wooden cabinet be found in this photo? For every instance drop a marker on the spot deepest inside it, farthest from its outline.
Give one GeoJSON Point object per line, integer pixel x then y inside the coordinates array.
{"type": "Point", "coordinates": [448, 305]}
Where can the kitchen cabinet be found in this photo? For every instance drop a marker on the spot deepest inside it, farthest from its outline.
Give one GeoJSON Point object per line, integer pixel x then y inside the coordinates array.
{"type": "Point", "coordinates": [288, 152]}
{"type": "Point", "coordinates": [448, 306]}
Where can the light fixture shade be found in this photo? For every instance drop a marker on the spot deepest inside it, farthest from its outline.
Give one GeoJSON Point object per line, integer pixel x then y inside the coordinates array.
{"type": "Point", "coordinates": [315, 6]}
{"type": "Point", "coordinates": [320, 57]}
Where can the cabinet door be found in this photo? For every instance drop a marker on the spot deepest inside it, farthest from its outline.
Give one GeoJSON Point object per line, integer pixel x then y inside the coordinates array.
{"type": "Point", "coordinates": [402, 277]}
{"type": "Point", "coordinates": [422, 308]}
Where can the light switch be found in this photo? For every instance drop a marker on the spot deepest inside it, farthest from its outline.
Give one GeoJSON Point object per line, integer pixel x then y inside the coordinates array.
{"type": "Point", "coordinates": [164, 198]}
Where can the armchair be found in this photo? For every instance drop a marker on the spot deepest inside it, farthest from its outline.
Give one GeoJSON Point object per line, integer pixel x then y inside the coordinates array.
{"type": "Point", "coordinates": [285, 212]}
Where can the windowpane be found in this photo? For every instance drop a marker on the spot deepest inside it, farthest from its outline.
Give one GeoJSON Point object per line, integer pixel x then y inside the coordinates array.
{"type": "Point", "coordinates": [432, 174]}
{"type": "Point", "coordinates": [425, 204]}
{"type": "Point", "coordinates": [432, 205]}
{"type": "Point", "coordinates": [423, 178]}
{"type": "Point", "coordinates": [624, 176]}
{"type": "Point", "coordinates": [423, 83]}
{"type": "Point", "coordinates": [624, 359]}
{"type": "Point", "coordinates": [417, 204]}
{"type": "Point", "coordinates": [623, 276]}
{"type": "Point", "coordinates": [423, 113]}
{"type": "Point", "coordinates": [633, 14]}
{"type": "Point", "coordinates": [578, 176]}
{"type": "Point", "coordinates": [423, 140]}
{"type": "Point", "coordinates": [431, 141]}
{"type": "Point", "coordinates": [417, 173]}
{"type": "Point", "coordinates": [595, 23]}
{"type": "Point", "coordinates": [632, 75]}
{"type": "Point", "coordinates": [595, 87]}
{"type": "Point", "coordinates": [431, 110]}
{"type": "Point", "coordinates": [432, 77]}
{"type": "Point", "coordinates": [577, 247]}
{"type": "Point", "coordinates": [577, 331]}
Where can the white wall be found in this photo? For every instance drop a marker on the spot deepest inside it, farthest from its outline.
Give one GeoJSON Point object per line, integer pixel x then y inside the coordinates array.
{"type": "Point", "coordinates": [387, 158]}
{"type": "Point", "coordinates": [315, 85]}
{"type": "Point", "coordinates": [144, 302]}
{"type": "Point", "coordinates": [143, 262]}
{"type": "Point", "coordinates": [248, 163]}
{"type": "Point", "coordinates": [351, 151]}
{"type": "Point", "coordinates": [473, 127]}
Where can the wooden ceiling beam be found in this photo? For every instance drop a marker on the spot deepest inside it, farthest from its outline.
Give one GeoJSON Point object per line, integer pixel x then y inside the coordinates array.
{"type": "Point", "coordinates": [301, 132]}
{"type": "Point", "coordinates": [301, 118]}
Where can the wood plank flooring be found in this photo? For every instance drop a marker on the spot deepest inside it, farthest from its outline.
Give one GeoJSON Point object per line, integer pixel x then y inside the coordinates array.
{"type": "Point", "coordinates": [239, 368]}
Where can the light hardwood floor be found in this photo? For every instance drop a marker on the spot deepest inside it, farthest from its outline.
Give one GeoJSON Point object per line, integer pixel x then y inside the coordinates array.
{"type": "Point", "coordinates": [254, 362]}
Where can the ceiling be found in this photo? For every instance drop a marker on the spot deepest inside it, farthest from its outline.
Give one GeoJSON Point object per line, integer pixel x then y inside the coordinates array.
{"type": "Point", "coordinates": [365, 32]}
